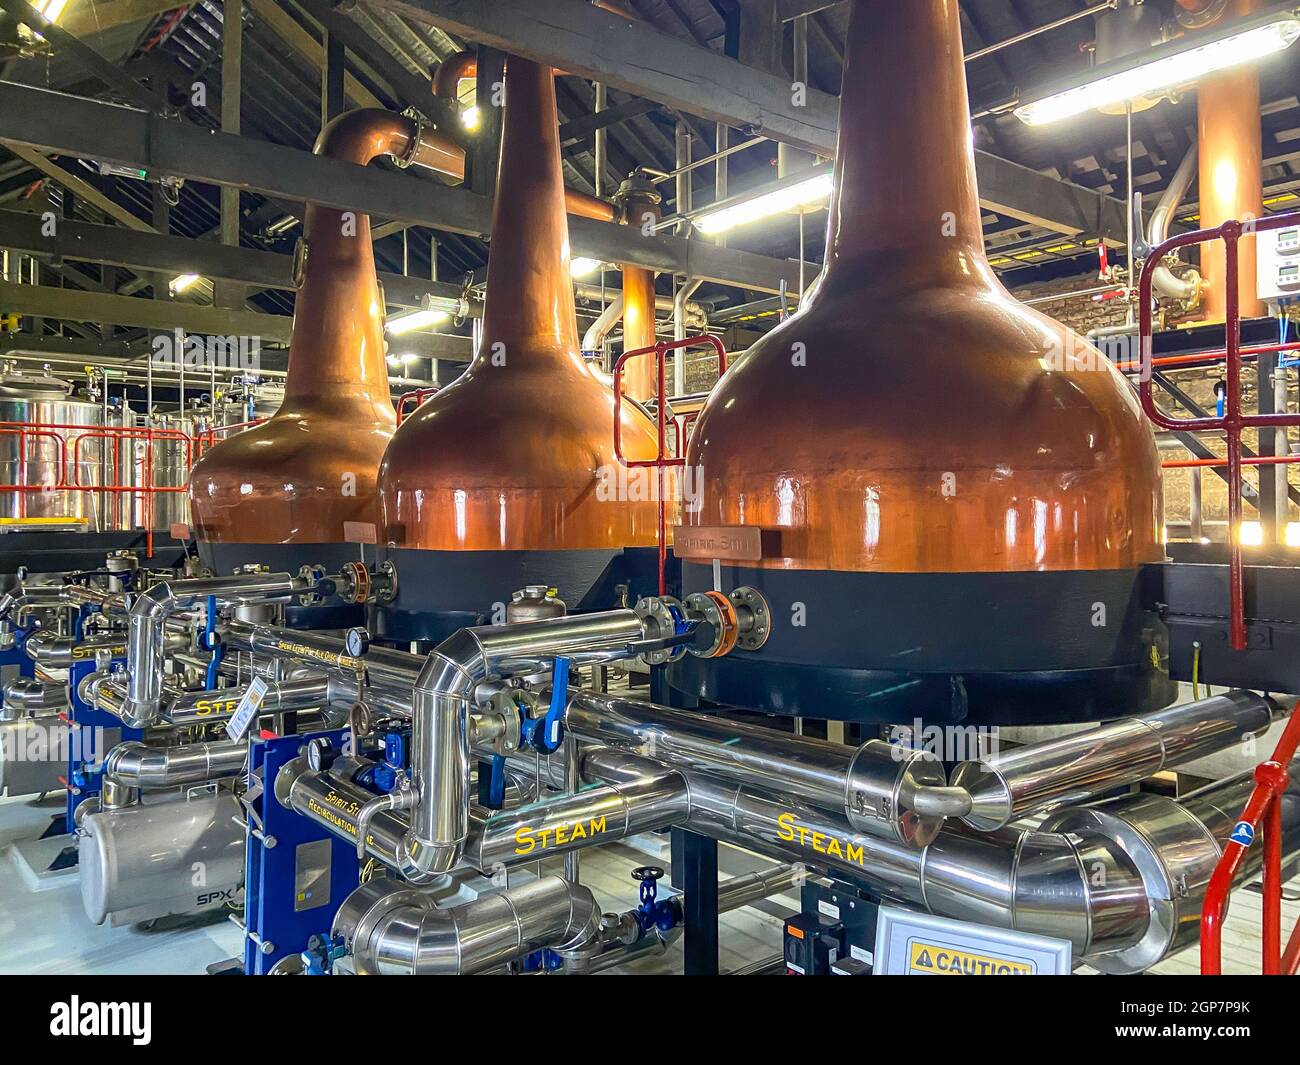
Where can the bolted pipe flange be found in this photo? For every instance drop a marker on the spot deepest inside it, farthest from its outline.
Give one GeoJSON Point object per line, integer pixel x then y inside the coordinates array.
{"type": "Point", "coordinates": [720, 613]}
{"type": "Point", "coordinates": [754, 617]}
{"type": "Point", "coordinates": [665, 617]}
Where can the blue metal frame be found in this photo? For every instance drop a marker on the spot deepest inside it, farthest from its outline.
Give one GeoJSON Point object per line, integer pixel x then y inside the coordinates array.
{"type": "Point", "coordinates": [270, 874]}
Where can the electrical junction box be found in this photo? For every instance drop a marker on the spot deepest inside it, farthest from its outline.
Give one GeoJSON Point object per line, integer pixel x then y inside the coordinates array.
{"type": "Point", "coordinates": [1277, 259]}
{"type": "Point", "coordinates": [835, 932]}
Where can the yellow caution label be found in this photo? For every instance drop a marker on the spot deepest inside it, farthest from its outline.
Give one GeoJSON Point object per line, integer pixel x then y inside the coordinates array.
{"type": "Point", "coordinates": [935, 960]}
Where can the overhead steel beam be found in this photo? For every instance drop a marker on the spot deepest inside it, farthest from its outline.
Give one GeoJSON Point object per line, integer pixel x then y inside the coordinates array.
{"type": "Point", "coordinates": [81, 188]}
{"type": "Point", "coordinates": [581, 39]}
{"type": "Point", "coordinates": [86, 17]}
{"type": "Point", "coordinates": [579, 129]}
{"type": "Point", "coordinates": [112, 246]}
{"type": "Point", "coordinates": [44, 301]}
{"type": "Point", "coordinates": [108, 132]}
{"type": "Point", "coordinates": [793, 9]}
{"type": "Point", "coordinates": [637, 58]}
{"type": "Point", "coordinates": [67, 44]}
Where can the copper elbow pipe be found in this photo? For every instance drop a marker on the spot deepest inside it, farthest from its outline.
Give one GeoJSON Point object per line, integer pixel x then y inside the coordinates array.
{"type": "Point", "coordinates": [363, 135]}
{"type": "Point", "coordinates": [446, 80]}
{"type": "Point", "coordinates": [451, 71]}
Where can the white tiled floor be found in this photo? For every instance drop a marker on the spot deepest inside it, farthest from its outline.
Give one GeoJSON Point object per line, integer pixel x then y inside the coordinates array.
{"type": "Point", "coordinates": [48, 932]}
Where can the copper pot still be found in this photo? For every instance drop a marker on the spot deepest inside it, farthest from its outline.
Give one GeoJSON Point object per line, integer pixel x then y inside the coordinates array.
{"type": "Point", "coordinates": [913, 419]}
{"type": "Point", "coordinates": [517, 453]}
{"type": "Point", "coordinates": [311, 467]}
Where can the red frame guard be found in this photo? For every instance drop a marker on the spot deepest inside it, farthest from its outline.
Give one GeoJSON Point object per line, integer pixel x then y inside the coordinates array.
{"type": "Point", "coordinates": [1233, 421]}
{"type": "Point", "coordinates": [661, 460]}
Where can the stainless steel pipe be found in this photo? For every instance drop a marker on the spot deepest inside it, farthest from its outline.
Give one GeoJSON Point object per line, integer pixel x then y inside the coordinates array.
{"type": "Point", "coordinates": [441, 704]}
{"type": "Point", "coordinates": [1033, 778]}
{"type": "Point", "coordinates": [390, 928]}
{"type": "Point", "coordinates": [145, 626]}
{"type": "Point", "coordinates": [570, 823]}
{"type": "Point", "coordinates": [136, 765]}
{"type": "Point", "coordinates": [875, 785]}
{"type": "Point", "coordinates": [1123, 880]}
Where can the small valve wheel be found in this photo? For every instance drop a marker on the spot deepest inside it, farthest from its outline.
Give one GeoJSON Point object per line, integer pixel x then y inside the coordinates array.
{"type": "Point", "coordinates": [649, 877]}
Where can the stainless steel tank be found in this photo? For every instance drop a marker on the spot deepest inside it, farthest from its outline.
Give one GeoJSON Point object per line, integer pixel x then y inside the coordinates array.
{"type": "Point", "coordinates": [171, 456]}
{"type": "Point", "coordinates": [177, 856]}
{"type": "Point", "coordinates": [49, 455]}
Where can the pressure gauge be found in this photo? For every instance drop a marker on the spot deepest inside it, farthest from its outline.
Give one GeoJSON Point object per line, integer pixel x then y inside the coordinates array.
{"type": "Point", "coordinates": [357, 642]}
{"type": "Point", "coordinates": [318, 755]}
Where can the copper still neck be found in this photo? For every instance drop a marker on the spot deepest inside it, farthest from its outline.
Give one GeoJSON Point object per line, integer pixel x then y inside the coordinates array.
{"type": "Point", "coordinates": [336, 352]}
{"type": "Point", "coordinates": [905, 207]}
{"type": "Point", "coordinates": [538, 320]}
{"type": "Point", "coordinates": [303, 474]}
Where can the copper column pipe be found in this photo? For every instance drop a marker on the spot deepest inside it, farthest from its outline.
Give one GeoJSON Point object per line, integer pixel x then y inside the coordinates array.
{"type": "Point", "coordinates": [638, 283]}
{"type": "Point", "coordinates": [640, 376]}
{"type": "Point", "coordinates": [299, 476]}
{"type": "Point", "coordinates": [1231, 178]}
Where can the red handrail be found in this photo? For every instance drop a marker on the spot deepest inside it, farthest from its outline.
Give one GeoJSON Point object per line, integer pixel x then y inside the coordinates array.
{"type": "Point", "coordinates": [1264, 805]}
{"type": "Point", "coordinates": [662, 459]}
{"type": "Point", "coordinates": [419, 395]}
{"type": "Point", "coordinates": [1233, 421]}
{"type": "Point", "coordinates": [66, 441]}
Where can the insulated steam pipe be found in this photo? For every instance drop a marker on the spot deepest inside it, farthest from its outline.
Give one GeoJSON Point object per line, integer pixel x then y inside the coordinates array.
{"type": "Point", "coordinates": [135, 765]}
{"type": "Point", "coordinates": [875, 785]}
{"type": "Point", "coordinates": [1121, 880]}
{"type": "Point", "coordinates": [390, 928]}
{"type": "Point", "coordinates": [1033, 778]}
{"type": "Point", "coordinates": [569, 823]}
{"type": "Point", "coordinates": [441, 702]}
{"type": "Point", "coordinates": [149, 613]}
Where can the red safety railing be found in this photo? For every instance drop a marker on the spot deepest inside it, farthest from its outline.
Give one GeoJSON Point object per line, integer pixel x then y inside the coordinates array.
{"type": "Point", "coordinates": [409, 402]}
{"type": "Point", "coordinates": [68, 451]}
{"type": "Point", "coordinates": [1263, 808]}
{"type": "Point", "coordinates": [1233, 421]}
{"type": "Point", "coordinates": [662, 459]}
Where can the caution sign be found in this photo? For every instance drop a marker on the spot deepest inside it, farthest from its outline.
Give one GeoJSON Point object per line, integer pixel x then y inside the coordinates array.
{"type": "Point", "coordinates": [933, 959]}
{"type": "Point", "coordinates": [914, 943]}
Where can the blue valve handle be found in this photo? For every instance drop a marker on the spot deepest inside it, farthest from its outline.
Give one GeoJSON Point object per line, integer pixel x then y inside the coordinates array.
{"type": "Point", "coordinates": [213, 643]}
{"type": "Point", "coordinates": [548, 737]}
